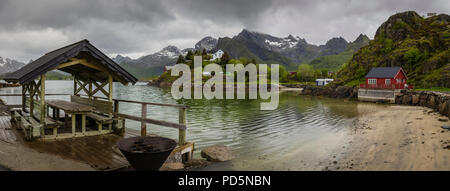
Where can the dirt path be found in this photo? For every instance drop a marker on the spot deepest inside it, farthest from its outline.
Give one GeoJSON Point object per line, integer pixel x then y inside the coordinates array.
{"type": "Point", "coordinates": [397, 138]}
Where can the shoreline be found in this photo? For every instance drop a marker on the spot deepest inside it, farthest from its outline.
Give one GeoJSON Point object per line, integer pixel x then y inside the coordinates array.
{"type": "Point", "coordinates": [398, 138]}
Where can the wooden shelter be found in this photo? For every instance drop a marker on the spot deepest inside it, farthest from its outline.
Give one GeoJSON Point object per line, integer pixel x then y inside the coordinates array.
{"type": "Point", "coordinates": [92, 71]}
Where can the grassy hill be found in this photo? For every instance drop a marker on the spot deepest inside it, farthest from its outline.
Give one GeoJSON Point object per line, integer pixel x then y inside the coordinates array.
{"type": "Point", "coordinates": [335, 62]}
{"type": "Point", "coordinates": [419, 45]}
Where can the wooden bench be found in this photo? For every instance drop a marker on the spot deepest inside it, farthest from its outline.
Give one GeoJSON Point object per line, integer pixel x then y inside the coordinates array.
{"type": "Point", "coordinates": [32, 126]}
{"type": "Point", "coordinates": [103, 112]}
{"type": "Point", "coordinates": [23, 121]}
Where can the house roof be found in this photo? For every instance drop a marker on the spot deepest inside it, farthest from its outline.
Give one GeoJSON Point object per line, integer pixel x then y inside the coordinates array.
{"type": "Point", "coordinates": [54, 58]}
{"type": "Point", "coordinates": [384, 72]}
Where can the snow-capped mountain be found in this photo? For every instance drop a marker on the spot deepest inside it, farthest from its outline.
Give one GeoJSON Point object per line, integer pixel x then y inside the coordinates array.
{"type": "Point", "coordinates": [9, 65]}
{"type": "Point", "coordinates": [167, 54]}
{"type": "Point", "coordinates": [289, 51]}
{"type": "Point", "coordinates": [283, 43]}
{"type": "Point", "coordinates": [208, 43]}
{"type": "Point", "coordinates": [119, 59]}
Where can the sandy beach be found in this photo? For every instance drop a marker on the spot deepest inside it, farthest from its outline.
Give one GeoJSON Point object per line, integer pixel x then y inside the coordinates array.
{"type": "Point", "coordinates": [398, 138]}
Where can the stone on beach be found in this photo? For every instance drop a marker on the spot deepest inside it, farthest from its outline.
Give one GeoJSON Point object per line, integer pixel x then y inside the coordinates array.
{"type": "Point", "coordinates": [196, 163]}
{"type": "Point", "coordinates": [217, 153]}
{"type": "Point", "coordinates": [172, 166]}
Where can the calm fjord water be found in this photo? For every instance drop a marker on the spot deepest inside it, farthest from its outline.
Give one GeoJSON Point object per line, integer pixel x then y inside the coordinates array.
{"type": "Point", "coordinates": [303, 130]}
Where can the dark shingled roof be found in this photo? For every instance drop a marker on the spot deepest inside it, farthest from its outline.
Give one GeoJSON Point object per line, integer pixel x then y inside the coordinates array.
{"type": "Point", "coordinates": [383, 72]}
{"type": "Point", "coordinates": [54, 58]}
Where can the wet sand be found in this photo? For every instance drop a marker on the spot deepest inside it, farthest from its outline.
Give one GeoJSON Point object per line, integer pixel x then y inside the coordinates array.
{"type": "Point", "coordinates": [398, 138]}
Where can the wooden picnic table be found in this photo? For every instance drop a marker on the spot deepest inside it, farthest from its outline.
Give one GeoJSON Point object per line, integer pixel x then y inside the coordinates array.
{"type": "Point", "coordinates": [71, 108]}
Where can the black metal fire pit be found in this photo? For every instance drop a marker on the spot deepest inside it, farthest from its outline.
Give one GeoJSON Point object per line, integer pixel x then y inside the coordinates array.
{"type": "Point", "coordinates": [146, 153]}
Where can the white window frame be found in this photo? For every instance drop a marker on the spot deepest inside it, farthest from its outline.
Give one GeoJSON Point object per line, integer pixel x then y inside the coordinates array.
{"type": "Point", "coordinates": [372, 81]}
{"type": "Point", "coordinates": [386, 81]}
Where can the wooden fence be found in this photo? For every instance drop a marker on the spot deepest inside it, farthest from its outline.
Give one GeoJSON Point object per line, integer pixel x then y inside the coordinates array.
{"type": "Point", "coordinates": [181, 125]}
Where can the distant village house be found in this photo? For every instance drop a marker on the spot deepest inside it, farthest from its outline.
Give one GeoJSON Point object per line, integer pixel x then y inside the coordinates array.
{"type": "Point", "coordinates": [323, 82]}
{"type": "Point", "coordinates": [217, 55]}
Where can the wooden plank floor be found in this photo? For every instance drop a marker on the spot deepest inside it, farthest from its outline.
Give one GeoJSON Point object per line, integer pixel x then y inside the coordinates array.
{"type": "Point", "coordinates": [100, 152]}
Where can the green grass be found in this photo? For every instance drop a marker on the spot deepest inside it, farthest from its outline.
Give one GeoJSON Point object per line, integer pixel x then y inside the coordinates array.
{"type": "Point", "coordinates": [296, 82]}
{"type": "Point", "coordinates": [437, 89]}
{"type": "Point", "coordinates": [356, 82]}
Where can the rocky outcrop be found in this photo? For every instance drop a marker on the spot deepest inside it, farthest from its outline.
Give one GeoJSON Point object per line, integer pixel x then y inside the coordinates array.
{"type": "Point", "coordinates": [440, 102]}
{"type": "Point", "coordinates": [217, 153]}
{"type": "Point", "coordinates": [418, 45]}
{"type": "Point", "coordinates": [338, 92]}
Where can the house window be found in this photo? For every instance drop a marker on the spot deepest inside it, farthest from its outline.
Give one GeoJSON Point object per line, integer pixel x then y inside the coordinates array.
{"type": "Point", "coordinates": [372, 81]}
{"type": "Point", "coordinates": [388, 81]}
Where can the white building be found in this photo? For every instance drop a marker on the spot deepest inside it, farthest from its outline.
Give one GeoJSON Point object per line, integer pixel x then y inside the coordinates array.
{"type": "Point", "coordinates": [217, 55]}
{"type": "Point", "coordinates": [323, 82]}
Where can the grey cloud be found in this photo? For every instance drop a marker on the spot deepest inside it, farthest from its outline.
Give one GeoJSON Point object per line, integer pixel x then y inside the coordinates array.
{"type": "Point", "coordinates": [137, 27]}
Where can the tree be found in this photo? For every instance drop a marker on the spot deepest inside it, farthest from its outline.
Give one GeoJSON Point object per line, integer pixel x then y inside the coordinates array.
{"type": "Point", "coordinates": [224, 59]}
{"type": "Point", "coordinates": [243, 60]}
{"type": "Point", "coordinates": [305, 72]}
{"type": "Point", "coordinates": [324, 73]}
{"type": "Point", "coordinates": [253, 61]}
{"type": "Point", "coordinates": [283, 74]}
{"type": "Point", "coordinates": [180, 59]}
{"type": "Point", "coordinates": [189, 55]}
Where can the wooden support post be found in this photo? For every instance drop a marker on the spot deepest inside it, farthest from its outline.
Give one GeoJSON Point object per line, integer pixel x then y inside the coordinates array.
{"type": "Point", "coordinates": [144, 124]}
{"type": "Point", "coordinates": [182, 132]}
{"type": "Point", "coordinates": [83, 123]}
{"type": "Point", "coordinates": [24, 92]}
{"type": "Point", "coordinates": [66, 119]}
{"type": "Point", "coordinates": [90, 89]}
{"type": "Point", "coordinates": [116, 106]}
{"type": "Point", "coordinates": [110, 83]}
{"type": "Point", "coordinates": [43, 110]}
{"type": "Point", "coordinates": [75, 85]}
{"type": "Point", "coordinates": [73, 124]}
{"type": "Point", "coordinates": [32, 90]}
{"type": "Point", "coordinates": [55, 132]}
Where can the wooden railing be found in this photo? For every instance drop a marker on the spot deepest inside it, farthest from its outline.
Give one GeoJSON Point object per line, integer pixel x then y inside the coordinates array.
{"type": "Point", "coordinates": [181, 125]}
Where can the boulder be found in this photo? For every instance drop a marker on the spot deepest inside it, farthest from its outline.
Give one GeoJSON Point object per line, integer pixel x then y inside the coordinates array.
{"type": "Point", "coordinates": [344, 91]}
{"type": "Point", "coordinates": [415, 99]}
{"type": "Point", "coordinates": [165, 85]}
{"type": "Point", "coordinates": [407, 99]}
{"type": "Point", "coordinates": [196, 163]}
{"type": "Point", "coordinates": [444, 107]}
{"type": "Point", "coordinates": [217, 153]}
{"type": "Point", "coordinates": [432, 102]}
{"type": "Point", "coordinates": [398, 99]}
{"type": "Point", "coordinates": [170, 166]}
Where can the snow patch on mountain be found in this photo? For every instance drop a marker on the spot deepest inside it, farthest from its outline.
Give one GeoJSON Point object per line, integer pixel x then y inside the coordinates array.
{"type": "Point", "coordinates": [9, 65]}
{"type": "Point", "coordinates": [288, 42]}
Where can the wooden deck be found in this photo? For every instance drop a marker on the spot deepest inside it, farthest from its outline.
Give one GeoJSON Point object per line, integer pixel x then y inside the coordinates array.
{"type": "Point", "coordinates": [100, 152]}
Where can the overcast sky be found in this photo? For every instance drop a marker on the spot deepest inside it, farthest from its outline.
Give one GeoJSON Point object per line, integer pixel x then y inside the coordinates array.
{"type": "Point", "coordinates": [134, 28]}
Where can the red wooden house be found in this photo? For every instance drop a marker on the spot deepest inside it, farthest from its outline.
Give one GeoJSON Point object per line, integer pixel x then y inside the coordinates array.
{"type": "Point", "coordinates": [386, 78]}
